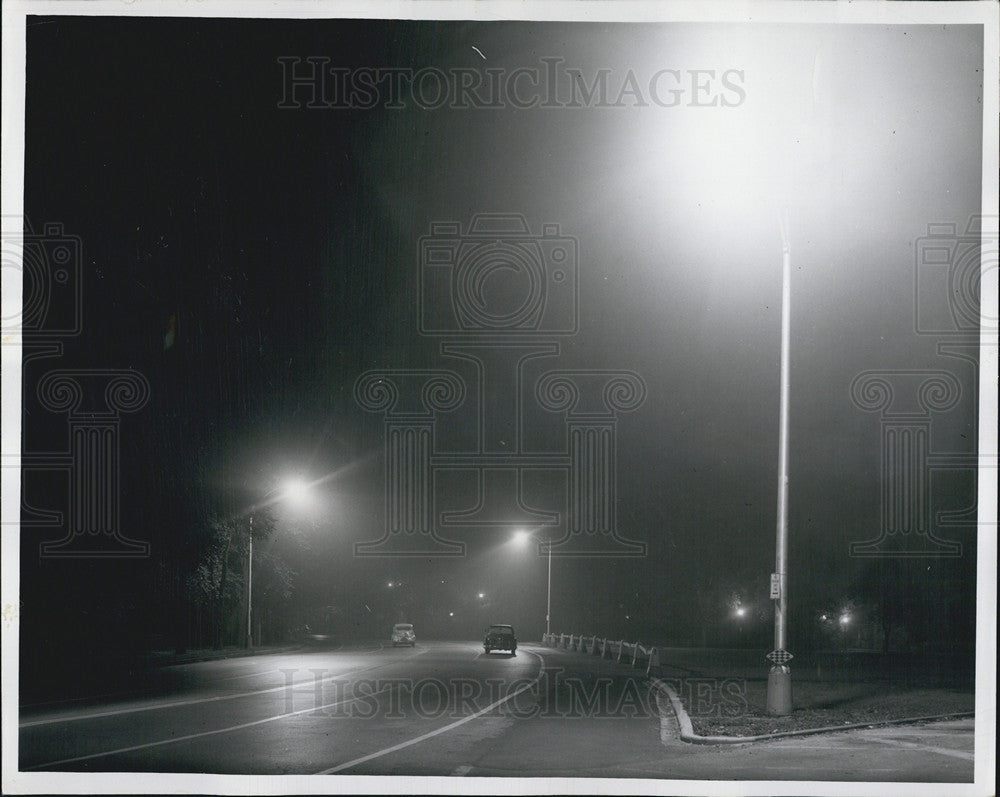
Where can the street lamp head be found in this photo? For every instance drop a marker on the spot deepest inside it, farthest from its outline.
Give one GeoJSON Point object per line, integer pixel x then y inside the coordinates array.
{"type": "Point", "coordinates": [295, 490]}
{"type": "Point", "coordinates": [521, 537]}
{"type": "Point", "coordinates": [740, 611]}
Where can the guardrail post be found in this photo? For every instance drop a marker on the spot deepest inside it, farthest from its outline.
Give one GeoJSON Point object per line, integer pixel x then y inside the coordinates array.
{"type": "Point", "coordinates": [635, 653]}
{"type": "Point", "coordinates": [621, 647]}
{"type": "Point", "coordinates": [654, 660]}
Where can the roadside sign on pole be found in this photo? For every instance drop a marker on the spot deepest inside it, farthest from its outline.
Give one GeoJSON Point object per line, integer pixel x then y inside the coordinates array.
{"type": "Point", "coordinates": [775, 586]}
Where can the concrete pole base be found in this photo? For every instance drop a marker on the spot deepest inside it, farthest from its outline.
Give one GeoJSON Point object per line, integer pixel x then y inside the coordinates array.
{"type": "Point", "coordinates": [779, 691]}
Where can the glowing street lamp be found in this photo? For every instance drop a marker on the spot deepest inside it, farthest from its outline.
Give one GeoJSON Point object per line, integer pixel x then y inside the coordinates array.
{"type": "Point", "coordinates": [741, 169]}
{"type": "Point", "coordinates": [294, 491]}
{"type": "Point", "coordinates": [521, 537]}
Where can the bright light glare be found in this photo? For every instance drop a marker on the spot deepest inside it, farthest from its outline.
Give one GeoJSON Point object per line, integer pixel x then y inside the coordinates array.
{"type": "Point", "coordinates": [296, 491]}
{"type": "Point", "coordinates": [845, 619]}
{"type": "Point", "coordinates": [740, 611]}
{"type": "Point", "coordinates": [482, 595]}
{"type": "Point", "coordinates": [521, 537]}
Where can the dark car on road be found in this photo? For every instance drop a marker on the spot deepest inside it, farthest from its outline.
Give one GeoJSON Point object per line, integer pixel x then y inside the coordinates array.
{"type": "Point", "coordinates": [500, 637]}
{"type": "Point", "coordinates": [403, 634]}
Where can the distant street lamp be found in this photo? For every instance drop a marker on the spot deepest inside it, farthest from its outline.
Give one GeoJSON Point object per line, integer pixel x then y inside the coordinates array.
{"type": "Point", "coordinates": [294, 490]}
{"type": "Point", "coordinates": [740, 612]}
{"type": "Point", "coordinates": [520, 538]}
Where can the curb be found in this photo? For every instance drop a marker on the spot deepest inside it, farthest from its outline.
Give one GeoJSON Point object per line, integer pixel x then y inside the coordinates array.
{"type": "Point", "coordinates": [687, 733]}
{"type": "Point", "coordinates": [195, 658]}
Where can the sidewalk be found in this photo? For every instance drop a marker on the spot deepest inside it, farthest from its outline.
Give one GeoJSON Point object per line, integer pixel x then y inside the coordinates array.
{"type": "Point", "coordinates": [742, 712]}
{"type": "Point", "coordinates": [721, 702]}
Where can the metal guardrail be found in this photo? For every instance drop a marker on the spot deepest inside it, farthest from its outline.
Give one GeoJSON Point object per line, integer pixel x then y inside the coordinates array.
{"type": "Point", "coordinates": [633, 653]}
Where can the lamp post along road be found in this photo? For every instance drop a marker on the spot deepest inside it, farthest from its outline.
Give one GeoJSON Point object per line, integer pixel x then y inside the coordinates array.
{"type": "Point", "coordinates": [295, 490]}
{"type": "Point", "coordinates": [548, 594]}
{"type": "Point", "coordinates": [250, 587]}
{"type": "Point", "coordinates": [779, 680]}
{"type": "Point", "coordinates": [519, 539]}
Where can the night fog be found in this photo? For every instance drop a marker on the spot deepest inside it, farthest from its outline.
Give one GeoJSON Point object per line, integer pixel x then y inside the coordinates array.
{"type": "Point", "coordinates": [252, 257]}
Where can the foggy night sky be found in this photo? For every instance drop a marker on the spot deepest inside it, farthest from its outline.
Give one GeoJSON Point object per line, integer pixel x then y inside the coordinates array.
{"type": "Point", "coordinates": [284, 241]}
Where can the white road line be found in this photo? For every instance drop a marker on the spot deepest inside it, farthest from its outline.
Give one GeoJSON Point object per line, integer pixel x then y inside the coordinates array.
{"type": "Point", "coordinates": [238, 677]}
{"type": "Point", "coordinates": [196, 700]}
{"type": "Point", "coordinates": [190, 736]}
{"type": "Point", "coordinates": [930, 748]}
{"type": "Point", "coordinates": [439, 731]}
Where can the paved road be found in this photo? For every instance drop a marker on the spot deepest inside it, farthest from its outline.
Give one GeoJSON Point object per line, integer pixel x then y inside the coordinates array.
{"type": "Point", "coordinates": [443, 709]}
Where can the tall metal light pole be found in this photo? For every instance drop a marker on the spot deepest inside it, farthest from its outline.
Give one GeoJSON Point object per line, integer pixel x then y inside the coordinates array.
{"type": "Point", "coordinates": [295, 489]}
{"type": "Point", "coordinates": [250, 587]}
{"type": "Point", "coordinates": [521, 537]}
{"type": "Point", "coordinates": [779, 680]}
{"type": "Point", "coordinates": [548, 596]}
